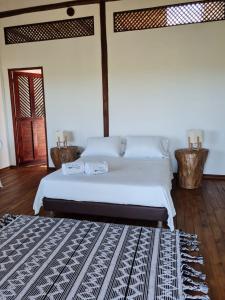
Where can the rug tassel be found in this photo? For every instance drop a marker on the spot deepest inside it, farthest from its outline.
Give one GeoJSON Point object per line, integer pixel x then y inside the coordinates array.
{"type": "Point", "coordinates": [190, 248]}
{"type": "Point", "coordinates": [189, 271]}
{"type": "Point", "coordinates": [188, 235]}
{"type": "Point", "coordinates": [6, 219]}
{"type": "Point", "coordinates": [193, 280]}
{"type": "Point", "coordinates": [201, 297]}
{"type": "Point", "coordinates": [189, 258]}
{"type": "Point", "coordinates": [201, 287]}
{"type": "Point", "coordinates": [197, 287]}
{"type": "Point", "coordinates": [188, 241]}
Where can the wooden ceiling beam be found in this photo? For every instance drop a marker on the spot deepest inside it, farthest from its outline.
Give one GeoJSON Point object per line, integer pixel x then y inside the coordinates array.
{"type": "Point", "coordinates": [26, 10]}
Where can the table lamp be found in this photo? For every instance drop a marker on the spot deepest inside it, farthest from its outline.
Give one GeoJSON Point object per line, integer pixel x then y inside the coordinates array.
{"type": "Point", "coordinates": [195, 139]}
{"type": "Point", "coordinates": [61, 138]}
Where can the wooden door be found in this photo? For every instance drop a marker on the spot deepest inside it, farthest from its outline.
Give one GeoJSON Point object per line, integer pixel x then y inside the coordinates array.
{"type": "Point", "coordinates": [29, 118]}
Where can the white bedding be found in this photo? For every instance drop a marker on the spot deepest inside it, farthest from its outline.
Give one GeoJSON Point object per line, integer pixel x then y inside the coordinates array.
{"type": "Point", "coordinates": [145, 182]}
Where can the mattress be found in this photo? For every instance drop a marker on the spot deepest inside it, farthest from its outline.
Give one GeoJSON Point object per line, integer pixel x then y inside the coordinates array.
{"type": "Point", "coordinates": [130, 181]}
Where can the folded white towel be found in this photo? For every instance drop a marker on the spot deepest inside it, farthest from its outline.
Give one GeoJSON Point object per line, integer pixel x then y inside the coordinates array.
{"type": "Point", "coordinates": [96, 167]}
{"type": "Point", "coordinates": [75, 167]}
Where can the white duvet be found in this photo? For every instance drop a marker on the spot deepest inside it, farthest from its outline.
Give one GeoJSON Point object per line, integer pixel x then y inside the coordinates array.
{"type": "Point", "coordinates": [145, 182]}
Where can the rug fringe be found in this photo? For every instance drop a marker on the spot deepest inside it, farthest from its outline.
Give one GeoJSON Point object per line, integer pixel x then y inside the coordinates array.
{"type": "Point", "coordinates": [6, 219]}
{"type": "Point", "coordinates": [203, 297]}
{"type": "Point", "coordinates": [193, 280]}
{"type": "Point", "coordinates": [189, 258]}
{"type": "Point", "coordinates": [189, 244]}
{"type": "Point", "coordinates": [195, 286]}
{"type": "Point", "coordinates": [189, 271]}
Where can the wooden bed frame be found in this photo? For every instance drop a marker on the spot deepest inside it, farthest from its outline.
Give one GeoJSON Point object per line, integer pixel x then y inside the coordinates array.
{"type": "Point", "coordinates": [132, 212]}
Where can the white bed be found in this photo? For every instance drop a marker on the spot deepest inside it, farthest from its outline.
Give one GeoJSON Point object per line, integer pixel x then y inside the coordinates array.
{"type": "Point", "coordinates": [145, 182]}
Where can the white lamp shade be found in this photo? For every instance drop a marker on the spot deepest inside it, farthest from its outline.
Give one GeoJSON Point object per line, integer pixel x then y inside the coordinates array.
{"type": "Point", "coordinates": [195, 136]}
{"type": "Point", "coordinates": [68, 135]}
{"type": "Point", "coordinates": [60, 135]}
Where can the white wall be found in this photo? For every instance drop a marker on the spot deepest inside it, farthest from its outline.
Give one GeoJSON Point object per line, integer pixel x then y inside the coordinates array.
{"type": "Point", "coordinates": [165, 81]}
{"type": "Point", "coordinates": [72, 76]}
{"type": "Point", "coordinates": [161, 81]}
{"type": "Point", "coordinates": [4, 155]}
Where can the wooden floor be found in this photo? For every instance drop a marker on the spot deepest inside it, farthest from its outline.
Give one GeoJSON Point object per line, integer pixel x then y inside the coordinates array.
{"type": "Point", "coordinates": [199, 211]}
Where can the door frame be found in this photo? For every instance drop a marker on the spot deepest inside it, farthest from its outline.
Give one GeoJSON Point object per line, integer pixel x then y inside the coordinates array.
{"type": "Point", "coordinates": [13, 107]}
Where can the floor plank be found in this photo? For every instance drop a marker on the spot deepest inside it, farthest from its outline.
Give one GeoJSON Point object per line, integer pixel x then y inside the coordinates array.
{"type": "Point", "coordinates": [200, 211]}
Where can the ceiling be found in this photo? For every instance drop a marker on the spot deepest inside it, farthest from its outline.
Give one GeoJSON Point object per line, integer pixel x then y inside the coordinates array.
{"type": "Point", "coordinates": [15, 4]}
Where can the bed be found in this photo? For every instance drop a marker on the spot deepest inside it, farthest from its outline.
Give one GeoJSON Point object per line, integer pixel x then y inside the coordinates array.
{"type": "Point", "coordinates": [133, 188]}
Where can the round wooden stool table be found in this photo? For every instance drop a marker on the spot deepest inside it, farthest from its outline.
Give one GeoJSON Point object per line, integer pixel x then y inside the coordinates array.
{"type": "Point", "coordinates": [63, 155]}
{"type": "Point", "coordinates": [190, 166]}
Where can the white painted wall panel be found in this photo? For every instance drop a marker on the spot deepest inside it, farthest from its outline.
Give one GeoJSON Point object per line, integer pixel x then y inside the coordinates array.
{"type": "Point", "coordinates": [72, 77]}
{"type": "Point", "coordinates": [161, 81]}
{"type": "Point", "coordinates": [166, 81]}
{"type": "Point", "coordinates": [4, 154]}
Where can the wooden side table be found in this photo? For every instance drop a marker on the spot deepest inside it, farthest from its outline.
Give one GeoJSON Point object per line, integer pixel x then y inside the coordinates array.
{"type": "Point", "coordinates": [190, 167]}
{"type": "Point", "coordinates": [63, 155]}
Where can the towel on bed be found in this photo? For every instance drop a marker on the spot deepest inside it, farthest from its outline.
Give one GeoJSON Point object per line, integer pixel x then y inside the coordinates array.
{"type": "Point", "coordinates": [75, 167]}
{"type": "Point", "coordinates": [96, 167]}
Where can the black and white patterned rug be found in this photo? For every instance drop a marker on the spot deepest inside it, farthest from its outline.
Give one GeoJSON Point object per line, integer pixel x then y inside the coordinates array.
{"type": "Point", "coordinates": [46, 258]}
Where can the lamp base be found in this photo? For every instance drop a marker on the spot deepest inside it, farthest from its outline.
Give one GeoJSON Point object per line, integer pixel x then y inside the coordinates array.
{"type": "Point", "coordinates": [194, 146]}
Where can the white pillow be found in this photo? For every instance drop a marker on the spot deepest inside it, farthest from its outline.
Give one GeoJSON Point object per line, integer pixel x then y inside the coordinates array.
{"type": "Point", "coordinates": [106, 146]}
{"type": "Point", "coordinates": [146, 147]}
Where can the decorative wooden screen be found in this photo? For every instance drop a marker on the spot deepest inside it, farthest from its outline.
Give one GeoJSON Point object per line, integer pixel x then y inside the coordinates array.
{"type": "Point", "coordinates": [63, 29]}
{"type": "Point", "coordinates": [29, 117]}
{"type": "Point", "coordinates": [170, 15]}
{"type": "Point", "coordinates": [38, 97]}
{"type": "Point", "coordinates": [24, 105]}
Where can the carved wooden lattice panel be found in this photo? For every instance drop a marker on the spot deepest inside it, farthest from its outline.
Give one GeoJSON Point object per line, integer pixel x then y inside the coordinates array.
{"type": "Point", "coordinates": [24, 96]}
{"type": "Point", "coordinates": [63, 29]}
{"type": "Point", "coordinates": [170, 15]}
{"type": "Point", "coordinates": [38, 97]}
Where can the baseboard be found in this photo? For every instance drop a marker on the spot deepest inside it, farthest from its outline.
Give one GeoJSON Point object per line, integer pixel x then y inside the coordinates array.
{"type": "Point", "coordinates": [206, 176]}
{"type": "Point", "coordinates": [15, 167]}
{"type": "Point", "coordinates": [4, 169]}
{"type": "Point", "coordinates": [51, 168]}
{"type": "Point", "coordinates": [214, 177]}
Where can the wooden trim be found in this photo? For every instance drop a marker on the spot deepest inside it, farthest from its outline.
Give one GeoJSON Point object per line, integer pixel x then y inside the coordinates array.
{"type": "Point", "coordinates": [13, 107]}
{"type": "Point", "coordinates": [167, 6]}
{"type": "Point", "coordinates": [213, 177]}
{"type": "Point", "coordinates": [32, 9]}
{"type": "Point", "coordinates": [104, 50]}
{"type": "Point", "coordinates": [28, 74]}
{"type": "Point", "coordinates": [8, 168]}
{"type": "Point", "coordinates": [46, 135]}
{"type": "Point", "coordinates": [205, 176]}
{"type": "Point", "coordinates": [5, 169]}
{"type": "Point", "coordinates": [28, 68]}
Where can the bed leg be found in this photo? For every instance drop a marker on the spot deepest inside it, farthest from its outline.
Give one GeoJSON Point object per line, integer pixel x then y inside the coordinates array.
{"type": "Point", "coordinates": [51, 214]}
{"type": "Point", "coordinates": [159, 224]}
